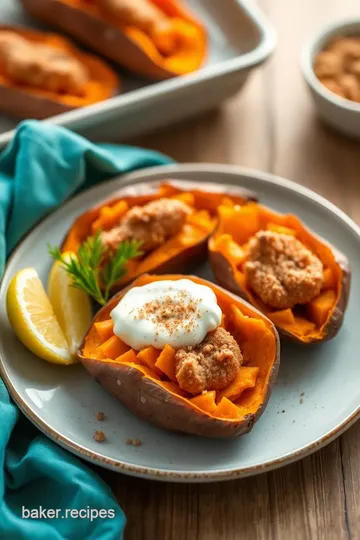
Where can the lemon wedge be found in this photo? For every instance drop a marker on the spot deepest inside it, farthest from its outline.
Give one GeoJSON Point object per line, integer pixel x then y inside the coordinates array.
{"type": "Point", "coordinates": [33, 319]}
{"type": "Point", "coordinates": [72, 307]}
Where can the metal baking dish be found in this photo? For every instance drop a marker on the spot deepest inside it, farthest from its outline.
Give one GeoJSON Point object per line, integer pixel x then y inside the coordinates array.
{"type": "Point", "coordinates": [240, 38]}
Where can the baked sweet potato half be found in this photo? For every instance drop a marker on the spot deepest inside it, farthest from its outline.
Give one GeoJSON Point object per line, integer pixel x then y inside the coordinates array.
{"type": "Point", "coordinates": [43, 74]}
{"type": "Point", "coordinates": [173, 220]}
{"type": "Point", "coordinates": [155, 38]}
{"type": "Point", "coordinates": [150, 384]}
{"type": "Point", "coordinates": [273, 261]}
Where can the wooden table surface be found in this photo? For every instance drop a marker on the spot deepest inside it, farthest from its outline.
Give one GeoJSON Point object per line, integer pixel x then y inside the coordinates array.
{"type": "Point", "coordinates": [269, 126]}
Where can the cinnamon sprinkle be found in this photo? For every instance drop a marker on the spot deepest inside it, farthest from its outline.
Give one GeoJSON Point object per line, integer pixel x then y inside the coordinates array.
{"type": "Point", "coordinates": [171, 313]}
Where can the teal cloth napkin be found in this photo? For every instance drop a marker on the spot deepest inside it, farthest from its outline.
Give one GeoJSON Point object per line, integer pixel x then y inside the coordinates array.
{"type": "Point", "coordinates": [41, 167]}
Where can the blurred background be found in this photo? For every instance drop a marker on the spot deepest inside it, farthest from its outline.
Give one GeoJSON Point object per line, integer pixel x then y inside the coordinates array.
{"type": "Point", "coordinates": [270, 125]}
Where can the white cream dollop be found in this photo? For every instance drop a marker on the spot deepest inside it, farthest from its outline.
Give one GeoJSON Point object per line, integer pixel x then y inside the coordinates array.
{"type": "Point", "coordinates": [178, 313]}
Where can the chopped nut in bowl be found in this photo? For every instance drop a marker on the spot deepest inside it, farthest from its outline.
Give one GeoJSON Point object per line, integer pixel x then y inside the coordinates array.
{"type": "Point", "coordinates": [331, 67]}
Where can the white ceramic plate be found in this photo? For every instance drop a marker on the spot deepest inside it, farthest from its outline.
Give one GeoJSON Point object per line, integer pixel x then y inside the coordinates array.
{"type": "Point", "coordinates": [316, 398]}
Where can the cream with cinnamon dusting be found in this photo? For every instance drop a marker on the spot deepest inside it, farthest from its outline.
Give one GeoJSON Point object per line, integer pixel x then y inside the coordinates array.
{"type": "Point", "coordinates": [177, 313]}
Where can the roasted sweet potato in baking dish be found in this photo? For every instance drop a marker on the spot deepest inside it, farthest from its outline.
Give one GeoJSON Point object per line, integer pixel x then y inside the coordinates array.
{"type": "Point", "coordinates": [156, 38]}
{"type": "Point", "coordinates": [43, 74]}
{"type": "Point", "coordinates": [296, 278]}
{"type": "Point", "coordinates": [152, 382]}
{"type": "Point", "coordinates": [173, 220]}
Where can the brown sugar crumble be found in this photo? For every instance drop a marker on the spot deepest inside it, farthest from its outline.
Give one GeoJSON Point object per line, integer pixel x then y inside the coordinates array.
{"type": "Point", "coordinates": [211, 365]}
{"type": "Point", "coordinates": [171, 313]}
{"type": "Point", "coordinates": [282, 271]}
{"type": "Point", "coordinates": [151, 224]}
{"type": "Point", "coordinates": [100, 416]}
{"type": "Point", "coordinates": [133, 442]}
{"type": "Point", "coordinates": [41, 66]}
{"type": "Point", "coordinates": [99, 436]}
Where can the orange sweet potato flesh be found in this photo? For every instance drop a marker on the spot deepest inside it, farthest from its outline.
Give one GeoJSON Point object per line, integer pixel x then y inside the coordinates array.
{"type": "Point", "coordinates": [126, 45]}
{"type": "Point", "coordinates": [127, 357]}
{"type": "Point", "coordinates": [114, 347]}
{"type": "Point", "coordinates": [206, 402]}
{"type": "Point", "coordinates": [282, 317]}
{"type": "Point", "coordinates": [148, 357]}
{"type": "Point", "coordinates": [25, 101]}
{"type": "Point", "coordinates": [322, 318]}
{"type": "Point", "coordinates": [153, 392]}
{"type": "Point", "coordinates": [245, 378]}
{"type": "Point", "coordinates": [176, 253]}
{"type": "Point", "coordinates": [320, 307]}
{"type": "Point", "coordinates": [227, 409]}
{"type": "Point", "coordinates": [105, 329]}
{"type": "Point", "coordinates": [166, 362]}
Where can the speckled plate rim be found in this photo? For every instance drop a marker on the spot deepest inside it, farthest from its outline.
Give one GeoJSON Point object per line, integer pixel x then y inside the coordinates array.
{"type": "Point", "coordinates": [149, 174]}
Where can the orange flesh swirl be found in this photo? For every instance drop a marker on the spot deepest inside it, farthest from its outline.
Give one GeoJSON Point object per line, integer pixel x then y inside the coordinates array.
{"type": "Point", "coordinates": [236, 227]}
{"type": "Point", "coordinates": [198, 226]}
{"type": "Point", "coordinates": [254, 334]}
{"type": "Point", "coordinates": [189, 40]}
{"type": "Point", "coordinates": [102, 82]}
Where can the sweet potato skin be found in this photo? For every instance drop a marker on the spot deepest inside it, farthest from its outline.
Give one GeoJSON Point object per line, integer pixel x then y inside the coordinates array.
{"type": "Point", "coordinates": [153, 403]}
{"type": "Point", "coordinates": [196, 253]}
{"type": "Point", "coordinates": [20, 104]}
{"type": "Point", "coordinates": [336, 320]}
{"type": "Point", "coordinates": [147, 399]}
{"type": "Point", "coordinates": [225, 277]}
{"type": "Point", "coordinates": [110, 41]}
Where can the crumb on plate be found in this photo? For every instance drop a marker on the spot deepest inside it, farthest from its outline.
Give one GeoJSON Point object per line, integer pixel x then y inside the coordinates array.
{"type": "Point", "coordinates": [99, 436]}
{"type": "Point", "coordinates": [133, 442]}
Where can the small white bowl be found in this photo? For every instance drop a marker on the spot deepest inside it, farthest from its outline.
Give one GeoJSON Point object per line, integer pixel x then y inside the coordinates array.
{"type": "Point", "coordinates": [338, 112]}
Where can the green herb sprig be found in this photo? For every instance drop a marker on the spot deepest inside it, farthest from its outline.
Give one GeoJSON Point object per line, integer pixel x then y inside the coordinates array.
{"type": "Point", "coordinates": [95, 269]}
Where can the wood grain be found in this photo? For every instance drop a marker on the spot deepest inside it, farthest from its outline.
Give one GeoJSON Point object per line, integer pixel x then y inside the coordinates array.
{"type": "Point", "coordinates": [269, 126]}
